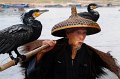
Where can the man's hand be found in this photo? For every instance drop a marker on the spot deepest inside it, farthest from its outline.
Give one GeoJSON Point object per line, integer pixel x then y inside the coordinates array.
{"type": "Point", "coordinates": [51, 44]}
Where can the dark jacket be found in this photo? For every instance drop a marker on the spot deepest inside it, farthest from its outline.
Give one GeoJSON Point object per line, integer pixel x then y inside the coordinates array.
{"type": "Point", "coordinates": [57, 63]}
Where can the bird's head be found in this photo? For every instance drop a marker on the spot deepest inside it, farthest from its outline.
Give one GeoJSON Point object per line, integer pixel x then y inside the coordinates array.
{"type": "Point", "coordinates": [31, 15]}
{"type": "Point", "coordinates": [36, 12]}
{"type": "Point", "coordinates": [92, 6]}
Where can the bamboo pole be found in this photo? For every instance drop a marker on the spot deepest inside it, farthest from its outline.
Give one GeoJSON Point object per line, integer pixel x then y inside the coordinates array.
{"type": "Point", "coordinates": [28, 55]}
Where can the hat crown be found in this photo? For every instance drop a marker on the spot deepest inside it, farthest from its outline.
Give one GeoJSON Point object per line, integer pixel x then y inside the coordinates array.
{"type": "Point", "coordinates": [73, 10]}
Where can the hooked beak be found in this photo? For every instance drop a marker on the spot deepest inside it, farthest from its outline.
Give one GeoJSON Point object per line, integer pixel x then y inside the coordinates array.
{"type": "Point", "coordinates": [97, 6]}
{"type": "Point", "coordinates": [36, 14]}
{"type": "Point", "coordinates": [42, 11]}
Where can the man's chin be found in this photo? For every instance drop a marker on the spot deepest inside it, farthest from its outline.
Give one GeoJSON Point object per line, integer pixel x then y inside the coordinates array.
{"type": "Point", "coordinates": [78, 45]}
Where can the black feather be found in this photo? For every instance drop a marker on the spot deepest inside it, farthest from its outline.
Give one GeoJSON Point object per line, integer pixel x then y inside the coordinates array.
{"type": "Point", "coordinates": [91, 14]}
{"type": "Point", "coordinates": [13, 37]}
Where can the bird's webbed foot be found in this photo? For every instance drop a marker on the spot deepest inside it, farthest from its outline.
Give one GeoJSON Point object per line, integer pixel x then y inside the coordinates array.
{"type": "Point", "coordinates": [22, 57]}
{"type": "Point", "coordinates": [18, 58]}
{"type": "Point", "coordinates": [13, 58]}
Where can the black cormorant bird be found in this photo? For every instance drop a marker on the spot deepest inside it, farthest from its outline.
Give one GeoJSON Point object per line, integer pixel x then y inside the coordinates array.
{"type": "Point", "coordinates": [91, 14]}
{"type": "Point", "coordinates": [13, 37]}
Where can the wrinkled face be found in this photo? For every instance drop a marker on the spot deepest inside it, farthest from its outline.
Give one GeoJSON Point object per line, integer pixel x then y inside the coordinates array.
{"type": "Point", "coordinates": [76, 36]}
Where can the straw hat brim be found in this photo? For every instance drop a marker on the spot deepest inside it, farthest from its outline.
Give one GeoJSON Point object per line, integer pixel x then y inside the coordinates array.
{"type": "Point", "coordinates": [91, 29]}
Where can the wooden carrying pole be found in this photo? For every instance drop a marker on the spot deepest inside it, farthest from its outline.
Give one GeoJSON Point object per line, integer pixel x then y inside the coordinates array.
{"type": "Point", "coordinates": [28, 55]}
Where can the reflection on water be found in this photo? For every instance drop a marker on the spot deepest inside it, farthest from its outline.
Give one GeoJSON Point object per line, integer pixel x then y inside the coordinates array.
{"type": "Point", "coordinates": [106, 40]}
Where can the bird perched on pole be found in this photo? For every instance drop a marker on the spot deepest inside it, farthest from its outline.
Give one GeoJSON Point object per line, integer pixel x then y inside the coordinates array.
{"type": "Point", "coordinates": [17, 35]}
{"type": "Point", "coordinates": [91, 14]}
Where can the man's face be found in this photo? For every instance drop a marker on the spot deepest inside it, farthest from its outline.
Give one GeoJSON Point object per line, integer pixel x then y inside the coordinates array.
{"type": "Point", "coordinates": [76, 38]}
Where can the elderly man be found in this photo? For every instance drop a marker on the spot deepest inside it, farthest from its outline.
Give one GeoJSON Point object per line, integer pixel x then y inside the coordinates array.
{"type": "Point", "coordinates": [69, 57]}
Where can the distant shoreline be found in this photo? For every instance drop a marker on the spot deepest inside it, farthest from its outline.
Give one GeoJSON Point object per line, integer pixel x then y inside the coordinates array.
{"type": "Point", "coordinates": [63, 4]}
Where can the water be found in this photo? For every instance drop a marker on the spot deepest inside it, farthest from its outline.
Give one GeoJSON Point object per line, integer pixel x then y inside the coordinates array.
{"type": "Point", "coordinates": [106, 40]}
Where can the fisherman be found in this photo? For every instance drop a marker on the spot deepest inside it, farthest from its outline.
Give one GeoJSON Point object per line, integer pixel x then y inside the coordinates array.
{"type": "Point", "coordinates": [69, 57]}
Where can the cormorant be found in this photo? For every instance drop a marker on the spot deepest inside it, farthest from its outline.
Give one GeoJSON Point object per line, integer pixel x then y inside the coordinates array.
{"type": "Point", "coordinates": [13, 37]}
{"type": "Point", "coordinates": [91, 14]}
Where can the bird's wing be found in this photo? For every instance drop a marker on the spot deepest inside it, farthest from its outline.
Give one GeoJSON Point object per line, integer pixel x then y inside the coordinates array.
{"type": "Point", "coordinates": [95, 15]}
{"type": "Point", "coordinates": [85, 15]}
{"type": "Point", "coordinates": [95, 12]}
{"type": "Point", "coordinates": [14, 36]}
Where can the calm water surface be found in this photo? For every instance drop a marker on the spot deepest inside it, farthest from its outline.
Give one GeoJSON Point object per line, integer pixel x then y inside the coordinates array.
{"type": "Point", "coordinates": [107, 40]}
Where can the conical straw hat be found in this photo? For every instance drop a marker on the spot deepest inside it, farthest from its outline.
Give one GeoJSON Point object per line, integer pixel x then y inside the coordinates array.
{"type": "Point", "coordinates": [75, 21]}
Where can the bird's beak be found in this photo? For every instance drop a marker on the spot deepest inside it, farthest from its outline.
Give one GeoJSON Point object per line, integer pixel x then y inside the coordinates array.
{"type": "Point", "coordinates": [42, 11]}
{"type": "Point", "coordinates": [36, 14]}
{"type": "Point", "coordinates": [96, 6]}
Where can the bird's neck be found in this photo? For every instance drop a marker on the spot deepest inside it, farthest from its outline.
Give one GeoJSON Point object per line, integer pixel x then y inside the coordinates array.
{"type": "Point", "coordinates": [28, 20]}
{"type": "Point", "coordinates": [37, 28]}
{"type": "Point", "coordinates": [90, 10]}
